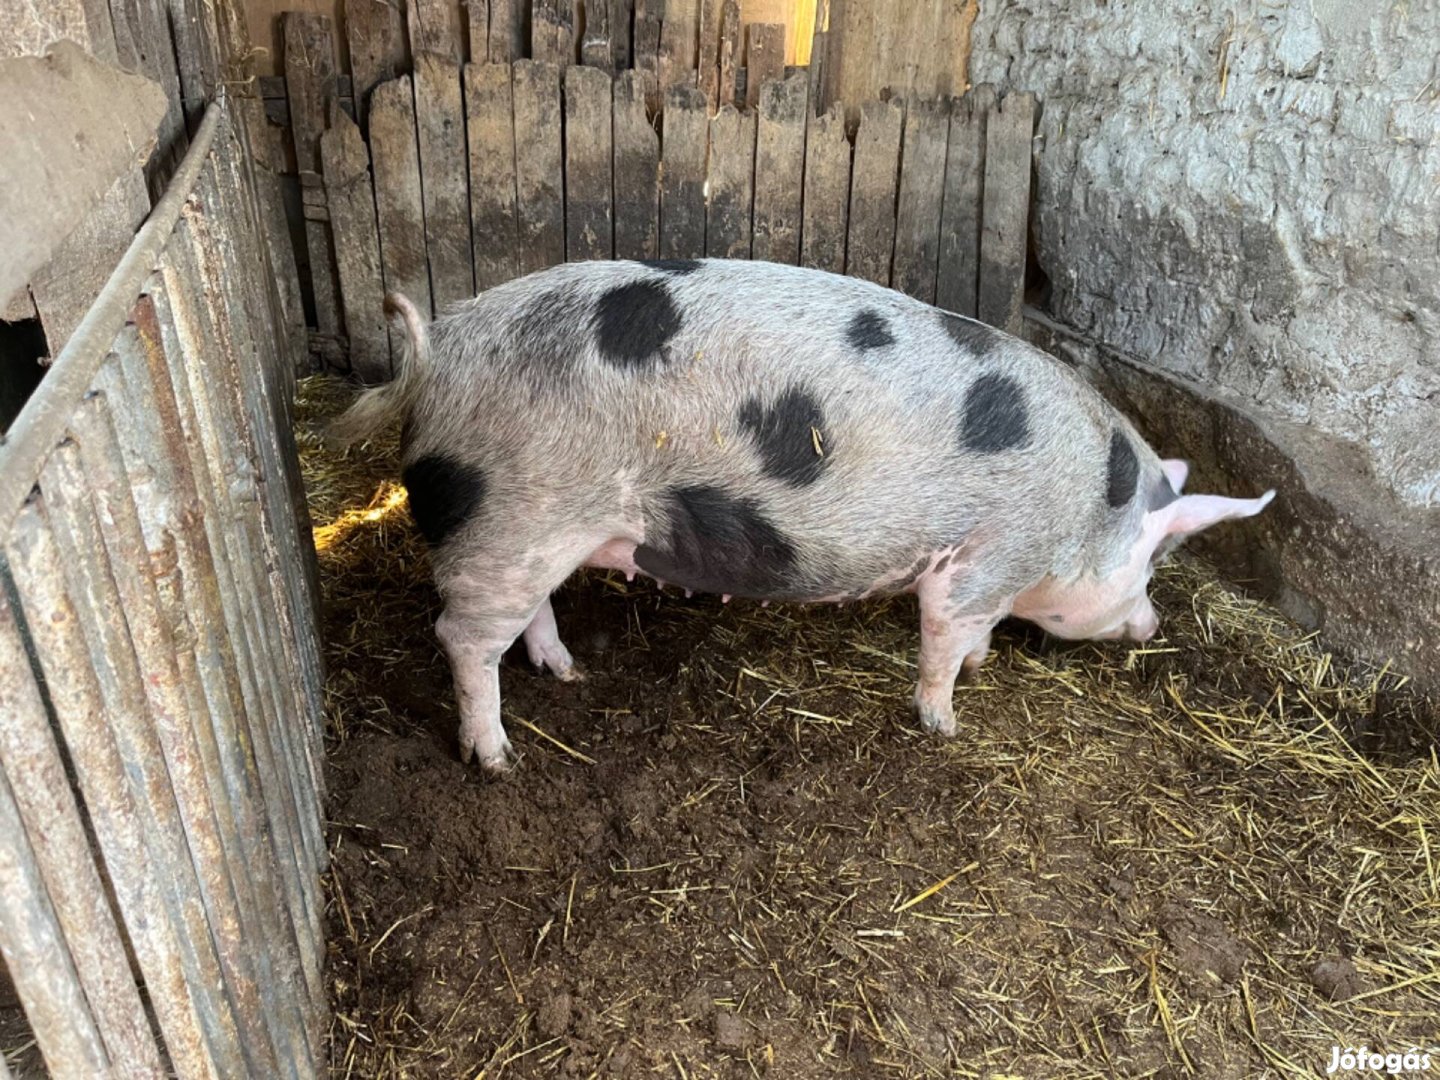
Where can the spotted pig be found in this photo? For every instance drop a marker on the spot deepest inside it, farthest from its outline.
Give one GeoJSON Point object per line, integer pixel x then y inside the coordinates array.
{"type": "Point", "coordinates": [767, 432]}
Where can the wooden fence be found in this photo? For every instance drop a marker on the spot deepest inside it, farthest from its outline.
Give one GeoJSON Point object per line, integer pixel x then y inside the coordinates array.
{"type": "Point", "coordinates": [453, 178]}
{"type": "Point", "coordinates": [160, 678]}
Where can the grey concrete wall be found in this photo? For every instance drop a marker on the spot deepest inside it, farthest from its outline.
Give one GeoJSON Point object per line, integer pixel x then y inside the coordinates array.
{"type": "Point", "coordinates": [1247, 196]}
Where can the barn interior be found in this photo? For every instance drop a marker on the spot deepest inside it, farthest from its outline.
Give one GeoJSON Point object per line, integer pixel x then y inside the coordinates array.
{"type": "Point", "coordinates": [730, 851]}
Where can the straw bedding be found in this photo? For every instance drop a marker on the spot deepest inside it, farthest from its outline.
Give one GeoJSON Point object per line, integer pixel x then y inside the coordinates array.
{"type": "Point", "coordinates": [730, 852]}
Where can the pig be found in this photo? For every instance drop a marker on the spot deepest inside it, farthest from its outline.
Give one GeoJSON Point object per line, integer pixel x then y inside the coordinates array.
{"type": "Point", "coordinates": [767, 432]}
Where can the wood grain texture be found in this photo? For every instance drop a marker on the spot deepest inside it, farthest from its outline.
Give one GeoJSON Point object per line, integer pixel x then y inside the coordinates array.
{"type": "Point", "coordinates": [649, 14]}
{"type": "Point", "coordinates": [637, 172]}
{"type": "Point", "coordinates": [678, 38]}
{"type": "Point", "coordinates": [764, 58]}
{"type": "Point", "coordinates": [957, 287]}
{"type": "Point", "coordinates": [440, 127]}
{"type": "Point", "coordinates": [539, 165]}
{"type": "Point", "coordinates": [622, 15]}
{"type": "Point", "coordinates": [827, 192]}
{"type": "Point", "coordinates": [507, 41]}
{"type": "Point", "coordinates": [596, 48]}
{"type": "Point", "coordinates": [682, 174]}
{"type": "Point", "coordinates": [1008, 136]}
{"type": "Point", "coordinates": [309, 82]}
{"type": "Point", "coordinates": [919, 48]}
{"type": "Point", "coordinates": [490, 133]}
{"type": "Point", "coordinates": [431, 31]}
{"type": "Point", "coordinates": [731, 47]}
{"type": "Point", "coordinates": [732, 184]}
{"type": "Point", "coordinates": [346, 166]}
{"type": "Point", "coordinates": [922, 191]}
{"type": "Point", "coordinates": [477, 30]}
{"type": "Point", "coordinates": [589, 232]}
{"type": "Point", "coordinates": [375, 31]}
{"type": "Point", "coordinates": [780, 169]}
{"type": "Point", "coordinates": [875, 175]}
{"type": "Point", "coordinates": [399, 208]}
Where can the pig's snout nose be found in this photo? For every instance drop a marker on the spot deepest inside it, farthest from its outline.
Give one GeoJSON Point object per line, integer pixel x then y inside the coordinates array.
{"type": "Point", "coordinates": [1144, 629]}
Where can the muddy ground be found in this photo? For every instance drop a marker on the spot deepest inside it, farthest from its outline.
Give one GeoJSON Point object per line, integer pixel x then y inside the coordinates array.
{"type": "Point", "coordinates": [730, 851]}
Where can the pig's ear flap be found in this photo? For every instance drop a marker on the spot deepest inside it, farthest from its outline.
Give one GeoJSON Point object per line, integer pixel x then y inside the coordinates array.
{"type": "Point", "coordinates": [1192, 513]}
{"type": "Point", "coordinates": [1176, 471]}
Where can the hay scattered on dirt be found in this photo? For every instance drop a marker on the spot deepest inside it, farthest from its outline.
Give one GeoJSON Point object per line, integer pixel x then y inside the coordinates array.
{"type": "Point", "coordinates": [730, 852]}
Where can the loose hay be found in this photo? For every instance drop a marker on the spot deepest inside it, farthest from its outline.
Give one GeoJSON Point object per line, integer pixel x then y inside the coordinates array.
{"type": "Point", "coordinates": [730, 852]}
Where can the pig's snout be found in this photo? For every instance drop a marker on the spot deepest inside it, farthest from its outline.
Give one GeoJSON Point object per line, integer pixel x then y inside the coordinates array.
{"type": "Point", "coordinates": [1144, 624]}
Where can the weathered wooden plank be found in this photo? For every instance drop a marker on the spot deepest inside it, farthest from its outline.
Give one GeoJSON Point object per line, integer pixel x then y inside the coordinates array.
{"type": "Point", "coordinates": [818, 38]}
{"type": "Point", "coordinates": [729, 58]}
{"type": "Point", "coordinates": [875, 174]}
{"type": "Point", "coordinates": [552, 31]}
{"type": "Point", "coordinates": [428, 22]}
{"type": "Point", "coordinates": [309, 85]}
{"type": "Point", "coordinates": [827, 192]}
{"type": "Point", "coordinates": [507, 32]}
{"type": "Point", "coordinates": [646, 48]}
{"type": "Point", "coordinates": [143, 44]}
{"type": "Point", "coordinates": [399, 208]}
{"type": "Point", "coordinates": [637, 172]}
{"type": "Point", "coordinates": [490, 129]}
{"type": "Point", "coordinates": [596, 48]}
{"type": "Point", "coordinates": [539, 165]}
{"type": "Point", "coordinates": [957, 287]}
{"type": "Point", "coordinates": [922, 191]}
{"type": "Point", "coordinates": [764, 58]}
{"type": "Point", "coordinates": [732, 184]}
{"type": "Point", "coordinates": [441, 129]}
{"type": "Point", "coordinates": [707, 74]}
{"type": "Point", "coordinates": [477, 30]}
{"type": "Point", "coordinates": [622, 12]}
{"type": "Point", "coordinates": [780, 169]}
{"type": "Point", "coordinates": [346, 165]}
{"type": "Point", "coordinates": [1008, 136]}
{"type": "Point", "coordinates": [677, 44]}
{"type": "Point", "coordinates": [377, 48]}
{"type": "Point", "coordinates": [682, 174]}
{"type": "Point", "coordinates": [589, 232]}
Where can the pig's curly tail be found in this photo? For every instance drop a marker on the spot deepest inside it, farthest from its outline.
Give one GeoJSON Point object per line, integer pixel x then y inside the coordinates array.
{"type": "Point", "coordinates": [382, 406]}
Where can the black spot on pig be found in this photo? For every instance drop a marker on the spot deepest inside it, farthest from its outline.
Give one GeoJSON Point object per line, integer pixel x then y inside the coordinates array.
{"type": "Point", "coordinates": [1122, 471]}
{"type": "Point", "coordinates": [678, 267]}
{"type": "Point", "coordinates": [788, 436]}
{"type": "Point", "coordinates": [1161, 495]}
{"type": "Point", "coordinates": [995, 417]}
{"type": "Point", "coordinates": [633, 323]}
{"type": "Point", "coordinates": [444, 494]}
{"type": "Point", "coordinates": [869, 330]}
{"type": "Point", "coordinates": [716, 542]}
{"type": "Point", "coordinates": [974, 337]}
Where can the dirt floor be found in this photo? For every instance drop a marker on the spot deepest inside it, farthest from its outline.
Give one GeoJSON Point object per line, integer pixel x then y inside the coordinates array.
{"type": "Point", "coordinates": [731, 852]}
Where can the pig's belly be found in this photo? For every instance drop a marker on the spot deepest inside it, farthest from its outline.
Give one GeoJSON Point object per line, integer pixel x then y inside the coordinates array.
{"type": "Point", "coordinates": [619, 554]}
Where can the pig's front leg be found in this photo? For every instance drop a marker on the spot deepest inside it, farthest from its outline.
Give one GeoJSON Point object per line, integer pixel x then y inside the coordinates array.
{"type": "Point", "coordinates": [949, 641]}
{"type": "Point", "coordinates": [546, 650]}
{"type": "Point", "coordinates": [474, 643]}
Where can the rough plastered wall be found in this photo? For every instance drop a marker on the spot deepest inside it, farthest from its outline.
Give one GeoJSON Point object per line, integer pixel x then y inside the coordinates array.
{"type": "Point", "coordinates": [1247, 195]}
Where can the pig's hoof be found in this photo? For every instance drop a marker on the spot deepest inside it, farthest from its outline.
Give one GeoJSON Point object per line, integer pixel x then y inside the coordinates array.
{"type": "Point", "coordinates": [573, 673]}
{"type": "Point", "coordinates": [936, 721]}
{"type": "Point", "coordinates": [494, 760]}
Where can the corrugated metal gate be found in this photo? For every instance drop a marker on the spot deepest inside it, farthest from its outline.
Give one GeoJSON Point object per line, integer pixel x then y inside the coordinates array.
{"type": "Point", "coordinates": [160, 676]}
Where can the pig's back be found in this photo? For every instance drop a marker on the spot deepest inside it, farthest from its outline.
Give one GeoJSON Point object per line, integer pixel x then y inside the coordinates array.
{"type": "Point", "coordinates": [867, 425]}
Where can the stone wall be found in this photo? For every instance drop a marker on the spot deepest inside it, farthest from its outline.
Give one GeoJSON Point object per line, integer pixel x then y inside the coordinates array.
{"type": "Point", "coordinates": [1247, 196]}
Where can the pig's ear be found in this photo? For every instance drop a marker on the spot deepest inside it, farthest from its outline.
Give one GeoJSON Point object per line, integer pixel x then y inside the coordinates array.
{"type": "Point", "coordinates": [1176, 471]}
{"type": "Point", "coordinates": [1191, 513]}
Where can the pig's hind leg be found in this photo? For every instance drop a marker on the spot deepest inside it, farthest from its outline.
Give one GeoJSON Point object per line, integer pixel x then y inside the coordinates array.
{"type": "Point", "coordinates": [546, 650]}
{"type": "Point", "coordinates": [953, 637]}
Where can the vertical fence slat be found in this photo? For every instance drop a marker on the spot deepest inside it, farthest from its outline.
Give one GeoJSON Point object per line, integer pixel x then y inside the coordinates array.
{"type": "Point", "coordinates": [637, 172]}
{"type": "Point", "coordinates": [399, 210]}
{"type": "Point", "coordinates": [490, 130]}
{"type": "Point", "coordinates": [872, 192]}
{"type": "Point", "coordinates": [826, 204]}
{"type": "Point", "coordinates": [646, 48]}
{"type": "Point", "coordinates": [730, 46]}
{"type": "Point", "coordinates": [596, 49]}
{"type": "Point", "coordinates": [440, 122]}
{"type": "Point", "coordinates": [589, 229]}
{"type": "Point", "coordinates": [922, 190]}
{"type": "Point", "coordinates": [52, 820]}
{"type": "Point", "coordinates": [764, 59]}
{"type": "Point", "coordinates": [539, 165]}
{"type": "Point", "coordinates": [677, 44]}
{"type": "Point", "coordinates": [1008, 135]}
{"type": "Point", "coordinates": [505, 32]}
{"type": "Point", "coordinates": [346, 165]}
{"type": "Point", "coordinates": [958, 284]}
{"type": "Point", "coordinates": [780, 169]}
{"type": "Point", "coordinates": [99, 699]}
{"type": "Point", "coordinates": [428, 22]}
{"type": "Point", "coordinates": [682, 174]}
{"type": "Point", "coordinates": [732, 184]}
{"type": "Point", "coordinates": [39, 962]}
{"type": "Point", "coordinates": [376, 36]}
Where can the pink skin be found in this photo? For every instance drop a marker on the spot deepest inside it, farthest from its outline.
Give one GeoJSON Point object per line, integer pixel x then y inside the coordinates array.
{"type": "Point", "coordinates": [484, 614]}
